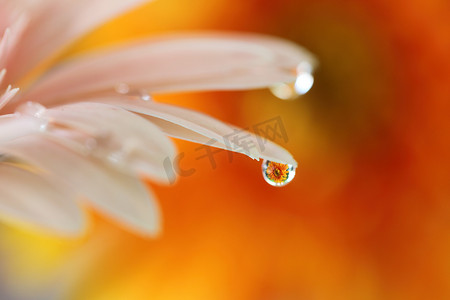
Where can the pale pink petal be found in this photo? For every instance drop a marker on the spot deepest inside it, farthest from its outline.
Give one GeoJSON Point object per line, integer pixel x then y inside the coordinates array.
{"type": "Point", "coordinates": [197, 127]}
{"type": "Point", "coordinates": [9, 12]}
{"type": "Point", "coordinates": [11, 37]}
{"type": "Point", "coordinates": [4, 48]}
{"type": "Point", "coordinates": [56, 24]}
{"type": "Point", "coordinates": [117, 136]}
{"type": "Point", "coordinates": [14, 126]}
{"type": "Point", "coordinates": [29, 198]}
{"type": "Point", "coordinates": [122, 197]}
{"type": "Point", "coordinates": [177, 63]}
{"type": "Point", "coordinates": [2, 75]}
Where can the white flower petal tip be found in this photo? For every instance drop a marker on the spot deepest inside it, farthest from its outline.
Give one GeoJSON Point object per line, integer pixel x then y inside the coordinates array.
{"type": "Point", "coordinates": [199, 128]}
{"type": "Point", "coordinates": [177, 63]}
{"type": "Point", "coordinates": [28, 198]}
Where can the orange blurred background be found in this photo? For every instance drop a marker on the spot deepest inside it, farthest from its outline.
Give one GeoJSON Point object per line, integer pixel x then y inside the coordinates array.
{"type": "Point", "coordinates": [367, 216]}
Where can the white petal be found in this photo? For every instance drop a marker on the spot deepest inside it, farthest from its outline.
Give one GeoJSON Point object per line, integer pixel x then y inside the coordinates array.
{"type": "Point", "coordinates": [178, 63]}
{"type": "Point", "coordinates": [29, 198]}
{"type": "Point", "coordinates": [122, 138]}
{"type": "Point", "coordinates": [122, 197]}
{"type": "Point", "coordinates": [197, 127]}
{"type": "Point", "coordinates": [14, 126]}
{"type": "Point", "coordinates": [56, 24]}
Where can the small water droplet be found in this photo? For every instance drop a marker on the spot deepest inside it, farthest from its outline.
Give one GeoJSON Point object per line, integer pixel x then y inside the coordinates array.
{"type": "Point", "coordinates": [277, 174]}
{"type": "Point", "coordinates": [90, 144]}
{"type": "Point", "coordinates": [144, 95]}
{"type": "Point", "coordinates": [125, 89]}
{"type": "Point", "coordinates": [35, 110]}
{"type": "Point", "coordinates": [121, 154]}
{"type": "Point", "coordinates": [122, 88]}
{"type": "Point", "coordinates": [31, 109]}
{"type": "Point", "coordinates": [302, 84]}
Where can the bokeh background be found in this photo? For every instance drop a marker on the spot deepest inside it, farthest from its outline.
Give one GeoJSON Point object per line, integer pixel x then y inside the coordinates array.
{"type": "Point", "coordinates": [367, 216]}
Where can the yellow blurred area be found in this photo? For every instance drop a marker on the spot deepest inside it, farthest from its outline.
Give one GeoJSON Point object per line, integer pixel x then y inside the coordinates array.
{"type": "Point", "coordinates": [367, 216]}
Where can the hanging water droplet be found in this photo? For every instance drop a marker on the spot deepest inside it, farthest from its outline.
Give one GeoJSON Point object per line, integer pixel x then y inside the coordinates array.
{"type": "Point", "coordinates": [302, 84]}
{"type": "Point", "coordinates": [34, 110]}
{"type": "Point", "coordinates": [277, 174]}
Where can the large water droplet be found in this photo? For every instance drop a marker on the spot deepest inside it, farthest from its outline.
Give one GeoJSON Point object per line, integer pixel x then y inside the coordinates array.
{"type": "Point", "coordinates": [277, 174]}
{"type": "Point", "coordinates": [302, 84]}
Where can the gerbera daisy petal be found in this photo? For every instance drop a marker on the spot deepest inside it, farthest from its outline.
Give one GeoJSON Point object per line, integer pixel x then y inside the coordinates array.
{"type": "Point", "coordinates": [197, 127]}
{"type": "Point", "coordinates": [100, 150]}
{"type": "Point", "coordinates": [11, 37]}
{"type": "Point", "coordinates": [122, 197]}
{"type": "Point", "coordinates": [48, 17]}
{"type": "Point", "coordinates": [178, 63]}
{"type": "Point", "coordinates": [29, 198]}
{"type": "Point", "coordinates": [117, 136]}
{"type": "Point", "coordinates": [15, 125]}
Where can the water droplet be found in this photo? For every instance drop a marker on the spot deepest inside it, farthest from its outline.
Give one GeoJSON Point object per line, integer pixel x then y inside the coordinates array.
{"type": "Point", "coordinates": [285, 91]}
{"type": "Point", "coordinates": [121, 154]}
{"type": "Point", "coordinates": [31, 109]}
{"type": "Point", "coordinates": [277, 174]}
{"type": "Point", "coordinates": [122, 88]}
{"type": "Point", "coordinates": [90, 144]}
{"type": "Point", "coordinates": [125, 89]}
{"type": "Point", "coordinates": [144, 95]}
{"type": "Point", "coordinates": [118, 157]}
{"type": "Point", "coordinates": [35, 110]}
{"type": "Point", "coordinates": [302, 84]}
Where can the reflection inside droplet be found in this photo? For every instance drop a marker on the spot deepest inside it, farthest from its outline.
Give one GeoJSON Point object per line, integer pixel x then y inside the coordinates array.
{"type": "Point", "coordinates": [277, 174]}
